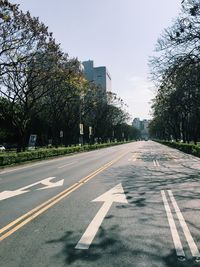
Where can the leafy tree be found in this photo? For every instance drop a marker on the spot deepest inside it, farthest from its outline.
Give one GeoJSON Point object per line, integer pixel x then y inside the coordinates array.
{"type": "Point", "coordinates": [176, 71]}
{"type": "Point", "coordinates": [32, 56]}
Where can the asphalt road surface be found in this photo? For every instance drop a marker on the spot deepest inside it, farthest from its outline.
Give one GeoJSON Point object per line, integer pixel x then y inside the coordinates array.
{"type": "Point", "coordinates": [136, 205]}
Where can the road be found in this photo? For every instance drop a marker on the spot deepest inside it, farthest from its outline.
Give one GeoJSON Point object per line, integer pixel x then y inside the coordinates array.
{"type": "Point", "coordinates": [135, 204]}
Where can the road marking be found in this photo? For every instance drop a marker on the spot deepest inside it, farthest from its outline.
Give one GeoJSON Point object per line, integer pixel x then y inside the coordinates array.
{"type": "Point", "coordinates": [29, 216]}
{"type": "Point", "coordinates": [12, 193]}
{"type": "Point", "coordinates": [36, 164]}
{"type": "Point", "coordinates": [116, 194]}
{"type": "Point", "coordinates": [175, 236]}
{"type": "Point", "coordinates": [46, 161]}
{"type": "Point", "coordinates": [173, 157]}
{"type": "Point", "coordinates": [156, 163]}
{"type": "Point", "coordinates": [193, 248]}
{"type": "Point", "coordinates": [70, 163]}
{"type": "Point", "coordinates": [134, 157]}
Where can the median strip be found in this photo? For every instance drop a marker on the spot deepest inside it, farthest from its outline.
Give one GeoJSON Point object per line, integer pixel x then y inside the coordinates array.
{"type": "Point", "coordinates": [29, 216]}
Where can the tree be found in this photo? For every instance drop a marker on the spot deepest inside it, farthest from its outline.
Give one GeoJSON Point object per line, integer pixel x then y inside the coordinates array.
{"type": "Point", "coordinates": [176, 71]}
{"type": "Point", "coordinates": [30, 59]}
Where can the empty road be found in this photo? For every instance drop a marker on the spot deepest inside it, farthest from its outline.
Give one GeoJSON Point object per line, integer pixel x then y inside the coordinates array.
{"type": "Point", "coordinates": [136, 204]}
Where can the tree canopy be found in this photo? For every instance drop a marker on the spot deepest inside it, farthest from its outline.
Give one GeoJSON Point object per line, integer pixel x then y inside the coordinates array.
{"type": "Point", "coordinates": [43, 91]}
{"type": "Point", "coordinates": [176, 70]}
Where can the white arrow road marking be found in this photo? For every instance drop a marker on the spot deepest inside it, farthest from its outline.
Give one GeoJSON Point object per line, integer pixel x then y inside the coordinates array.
{"type": "Point", "coordinates": [12, 193]}
{"type": "Point", "coordinates": [50, 184]}
{"type": "Point", "coordinates": [116, 194]}
{"type": "Point", "coordinates": [9, 194]}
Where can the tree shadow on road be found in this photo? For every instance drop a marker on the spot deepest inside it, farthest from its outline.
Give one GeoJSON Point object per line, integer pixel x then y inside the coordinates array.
{"type": "Point", "coordinates": [115, 246]}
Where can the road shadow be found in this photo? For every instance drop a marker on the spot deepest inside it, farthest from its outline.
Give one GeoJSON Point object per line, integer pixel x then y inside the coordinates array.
{"type": "Point", "coordinates": [142, 185]}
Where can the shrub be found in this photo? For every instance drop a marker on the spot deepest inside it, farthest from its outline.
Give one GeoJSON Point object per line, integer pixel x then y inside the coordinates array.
{"type": "Point", "coordinates": [13, 158]}
{"type": "Point", "coordinates": [186, 148]}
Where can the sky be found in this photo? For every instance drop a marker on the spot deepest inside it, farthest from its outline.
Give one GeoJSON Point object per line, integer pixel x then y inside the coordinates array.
{"type": "Point", "coordinates": [118, 34]}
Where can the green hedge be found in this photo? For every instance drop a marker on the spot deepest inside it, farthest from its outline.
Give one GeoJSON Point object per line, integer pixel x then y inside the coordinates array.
{"type": "Point", "coordinates": [187, 148]}
{"type": "Point", "coordinates": [13, 158]}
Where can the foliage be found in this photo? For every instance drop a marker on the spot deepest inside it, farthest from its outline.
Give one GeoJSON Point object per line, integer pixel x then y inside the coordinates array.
{"type": "Point", "coordinates": [187, 148]}
{"type": "Point", "coordinates": [13, 158]}
{"type": "Point", "coordinates": [176, 70]}
{"type": "Point", "coordinates": [43, 91]}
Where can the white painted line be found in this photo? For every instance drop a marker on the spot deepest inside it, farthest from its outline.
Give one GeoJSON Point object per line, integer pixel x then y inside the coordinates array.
{"type": "Point", "coordinates": [62, 157]}
{"type": "Point", "coordinates": [157, 163]}
{"type": "Point", "coordinates": [175, 236]}
{"type": "Point", "coordinates": [193, 248]}
{"type": "Point", "coordinates": [84, 154]}
{"type": "Point", "coordinates": [67, 164]}
{"type": "Point", "coordinates": [36, 164]}
{"type": "Point", "coordinates": [116, 194]}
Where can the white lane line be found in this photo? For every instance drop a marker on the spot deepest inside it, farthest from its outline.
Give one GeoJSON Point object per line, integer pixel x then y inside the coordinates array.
{"type": "Point", "coordinates": [36, 164]}
{"type": "Point", "coordinates": [175, 236]}
{"type": "Point", "coordinates": [84, 154]}
{"type": "Point", "coordinates": [157, 163]}
{"type": "Point", "coordinates": [62, 157]}
{"type": "Point", "coordinates": [193, 248]}
{"type": "Point", "coordinates": [67, 164]}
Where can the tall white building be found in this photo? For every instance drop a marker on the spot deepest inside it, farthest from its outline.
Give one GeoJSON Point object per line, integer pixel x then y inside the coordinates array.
{"type": "Point", "coordinates": [99, 75]}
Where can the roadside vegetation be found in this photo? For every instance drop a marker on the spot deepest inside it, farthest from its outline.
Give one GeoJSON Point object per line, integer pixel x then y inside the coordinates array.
{"type": "Point", "coordinates": [12, 158]}
{"type": "Point", "coordinates": [176, 72]}
{"type": "Point", "coordinates": [184, 147]}
{"type": "Point", "coordinates": [43, 91]}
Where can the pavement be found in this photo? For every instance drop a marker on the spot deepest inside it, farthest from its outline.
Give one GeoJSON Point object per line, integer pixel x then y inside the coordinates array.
{"type": "Point", "coordinates": [135, 204]}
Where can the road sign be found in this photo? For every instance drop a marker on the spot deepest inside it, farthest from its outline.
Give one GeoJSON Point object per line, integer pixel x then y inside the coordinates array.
{"type": "Point", "coordinates": [32, 141]}
{"type": "Point", "coordinates": [90, 130]}
{"type": "Point", "coordinates": [81, 128]}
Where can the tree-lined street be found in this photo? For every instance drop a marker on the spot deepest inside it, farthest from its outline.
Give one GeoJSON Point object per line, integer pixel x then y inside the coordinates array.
{"type": "Point", "coordinates": [131, 205]}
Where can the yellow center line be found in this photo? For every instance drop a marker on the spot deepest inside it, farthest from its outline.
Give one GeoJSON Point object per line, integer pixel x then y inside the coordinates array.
{"type": "Point", "coordinates": [29, 216]}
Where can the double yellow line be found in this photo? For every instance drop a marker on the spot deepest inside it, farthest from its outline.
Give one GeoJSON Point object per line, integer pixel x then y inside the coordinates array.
{"type": "Point", "coordinates": [29, 216]}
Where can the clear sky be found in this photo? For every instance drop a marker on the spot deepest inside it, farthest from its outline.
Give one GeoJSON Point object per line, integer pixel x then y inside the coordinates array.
{"type": "Point", "coordinates": [118, 34]}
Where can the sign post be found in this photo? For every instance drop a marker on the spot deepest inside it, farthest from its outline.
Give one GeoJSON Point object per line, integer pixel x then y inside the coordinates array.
{"type": "Point", "coordinates": [32, 141]}
{"type": "Point", "coordinates": [61, 137]}
{"type": "Point", "coordinates": [81, 134]}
